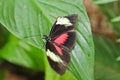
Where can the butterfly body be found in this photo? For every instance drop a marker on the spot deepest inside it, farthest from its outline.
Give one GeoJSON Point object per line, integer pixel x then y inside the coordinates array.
{"type": "Point", "coordinates": [60, 41]}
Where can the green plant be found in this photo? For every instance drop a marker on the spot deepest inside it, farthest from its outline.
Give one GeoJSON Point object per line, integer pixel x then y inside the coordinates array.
{"type": "Point", "coordinates": [29, 20]}
{"type": "Point", "coordinates": [106, 50]}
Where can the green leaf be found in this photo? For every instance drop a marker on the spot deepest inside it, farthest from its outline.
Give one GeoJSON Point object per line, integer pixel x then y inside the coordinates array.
{"type": "Point", "coordinates": [103, 1]}
{"type": "Point", "coordinates": [116, 19]}
{"type": "Point", "coordinates": [2, 75]}
{"type": "Point", "coordinates": [118, 40]}
{"type": "Point", "coordinates": [18, 52]}
{"type": "Point", "coordinates": [1, 72]}
{"type": "Point", "coordinates": [107, 63]}
{"type": "Point", "coordinates": [1, 60]}
{"type": "Point", "coordinates": [111, 11]}
{"type": "Point", "coordinates": [31, 19]}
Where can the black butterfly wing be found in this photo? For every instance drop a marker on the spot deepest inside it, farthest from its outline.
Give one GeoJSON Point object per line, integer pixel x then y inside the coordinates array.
{"type": "Point", "coordinates": [58, 29]}
{"type": "Point", "coordinates": [63, 37]}
{"type": "Point", "coordinates": [58, 62]}
{"type": "Point", "coordinates": [58, 52]}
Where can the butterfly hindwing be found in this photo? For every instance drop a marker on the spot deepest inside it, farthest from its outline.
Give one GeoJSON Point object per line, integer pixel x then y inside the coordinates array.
{"type": "Point", "coordinates": [57, 61]}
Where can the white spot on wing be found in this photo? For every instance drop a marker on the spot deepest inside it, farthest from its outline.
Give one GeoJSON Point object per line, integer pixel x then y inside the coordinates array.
{"type": "Point", "coordinates": [63, 21]}
{"type": "Point", "coordinates": [54, 57]}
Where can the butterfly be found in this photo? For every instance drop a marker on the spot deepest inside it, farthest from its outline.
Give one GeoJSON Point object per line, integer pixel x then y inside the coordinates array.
{"type": "Point", "coordinates": [60, 41]}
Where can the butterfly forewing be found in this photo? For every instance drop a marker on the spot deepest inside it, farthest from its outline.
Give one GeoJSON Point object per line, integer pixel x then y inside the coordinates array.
{"type": "Point", "coordinates": [62, 39]}
{"type": "Point", "coordinates": [60, 28]}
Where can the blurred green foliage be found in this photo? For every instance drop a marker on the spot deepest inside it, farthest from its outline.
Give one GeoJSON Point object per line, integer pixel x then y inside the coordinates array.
{"type": "Point", "coordinates": [107, 64]}
{"type": "Point", "coordinates": [112, 11]}
{"type": "Point", "coordinates": [103, 1]}
{"type": "Point", "coordinates": [107, 52]}
{"type": "Point", "coordinates": [116, 19]}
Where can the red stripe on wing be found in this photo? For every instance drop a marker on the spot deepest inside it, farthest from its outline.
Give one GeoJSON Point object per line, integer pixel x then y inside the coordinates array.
{"type": "Point", "coordinates": [61, 39]}
{"type": "Point", "coordinates": [59, 50]}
